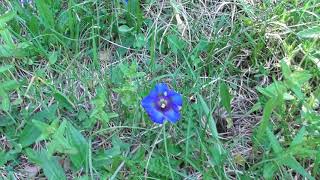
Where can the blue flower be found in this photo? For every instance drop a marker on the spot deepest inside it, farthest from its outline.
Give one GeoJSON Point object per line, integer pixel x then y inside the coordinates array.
{"type": "Point", "coordinates": [162, 104]}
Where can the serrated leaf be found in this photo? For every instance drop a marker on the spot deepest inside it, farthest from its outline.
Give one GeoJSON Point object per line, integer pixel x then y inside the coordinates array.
{"type": "Point", "coordinates": [310, 33]}
{"type": "Point", "coordinates": [50, 165]}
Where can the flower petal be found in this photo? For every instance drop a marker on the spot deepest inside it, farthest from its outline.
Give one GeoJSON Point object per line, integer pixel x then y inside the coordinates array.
{"type": "Point", "coordinates": [161, 88]}
{"type": "Point", "coordinates": [175, 98]}
{"type": "Point", "coordinates": [172, 115]}
{"type": "Point", "coordinates": [155, 116]}
{"type": "Point", "coordinates": [148, 102]}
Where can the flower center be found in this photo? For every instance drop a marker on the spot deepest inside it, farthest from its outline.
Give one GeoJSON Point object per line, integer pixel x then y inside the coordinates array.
{"type": "Point", "coordinates": [163, 103]}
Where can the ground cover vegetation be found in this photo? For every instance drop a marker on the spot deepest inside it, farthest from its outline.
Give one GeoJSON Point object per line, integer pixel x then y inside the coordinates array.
{"type": "Point", "coordinates": [237, 83]}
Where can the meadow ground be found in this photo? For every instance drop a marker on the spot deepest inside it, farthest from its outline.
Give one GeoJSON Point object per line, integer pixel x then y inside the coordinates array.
{"type": "Point", "coordinates": [73, 74]}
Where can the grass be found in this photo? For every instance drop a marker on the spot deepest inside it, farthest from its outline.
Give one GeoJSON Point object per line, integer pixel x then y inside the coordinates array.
{"type": "Point", "coordinates": [73, 73]}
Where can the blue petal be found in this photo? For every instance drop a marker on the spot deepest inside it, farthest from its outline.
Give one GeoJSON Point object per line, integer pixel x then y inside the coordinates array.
{"type": "Point", "coordinates": [148, 101]}
{"type": "Point", "coordinates": [175, 98]}
{"type": "Point", "coordinates": [172, 115]}
{"type": "Point", "coordinates": [161, 88]}
{"type": "Point", "coordinates": [155, 116]}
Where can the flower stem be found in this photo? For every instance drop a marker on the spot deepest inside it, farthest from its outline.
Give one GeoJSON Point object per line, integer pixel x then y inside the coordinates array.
{"type": "Point", "coordinates": [166, 148]}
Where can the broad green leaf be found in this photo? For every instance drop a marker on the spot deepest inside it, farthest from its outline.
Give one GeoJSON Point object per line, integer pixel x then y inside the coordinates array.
{"type": "Point", "coordinates": [201, 46]}
{"type": "Point", "coordinates": [46, 129]}
{"type": "Point", "coordinates": [140, 41]}
{"type": "Point", "coordinates": [310, 33]}
{"type": "Point", "coordinates": [269, 169]}
{"type": "Point", "coordinates": [77, 141]}
{"type": "Point", "coordinates": [274, 142]}
{"type": "Point", "coordinates": [106, 157]}
{"type": "Point", "coordinates": [295, 165]}
{"type": "Point", "coordinates": [7, 17]}
{"type": "Point", "coordinates": [5, 104]}
{"type": "Point", "coordinates": [9, 85]}
{"type": "Point", "coordinates": [296, 80]}
{"type": "Point", "coordinates": [225, 97]}
{"type": "Point", "coordinates": [260, 136]}
{"type": "Point", "coordinates": [5, 68]}
{"type": "Point", "coordinates": [50, 164]}
{"type": "Point", "coordinates": [316, 169]}
{"type": "Point", "coordinates": [124, 29]}
{"type": "Point", "coordinates": [212, 123]}
{"type": "Point", "coordinates": [59, 142]}
{"type": "Point", "coordinates": [176, 44]}
{"type": "Point", "coordinates": [7, 38]}
{"type": "Point", "coordinates": [273, 90]}
{"type": "Point", "coordinates": [300, 77]}
{"type": "Point", "coordinates": [218, 156]}
{"type": "Point", "coordinates": [254, 108]}
{"type": "Point", "coordinates": [53, 57]}
{"type": "Point", "coordinates": [6, 121]}
{"type": "Point", "coordinates": [9, 155]}
{"type": "Point", "coordinates": [30, 132]}
{"type": "Point", "coordinates": [298, 139]}
{"type": "Point", "coordinates": [116, 141]}
{"type": "Point", "coordinates": [285, 69]}
{"type": "Point", "coordinates": [63, 100]}
{"type": "Point", "coordinates": [134, 15]}
{"type": "Point", "coordinates": [3, 159]}
{"type": "Point", "coordinates": [19, 50]}
{"type": "Point", "coordinates": [45, 13]}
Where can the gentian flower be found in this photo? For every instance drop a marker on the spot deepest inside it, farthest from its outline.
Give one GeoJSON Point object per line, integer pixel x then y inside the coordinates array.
{"type": "Point", "coordinates": [162, 104]}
